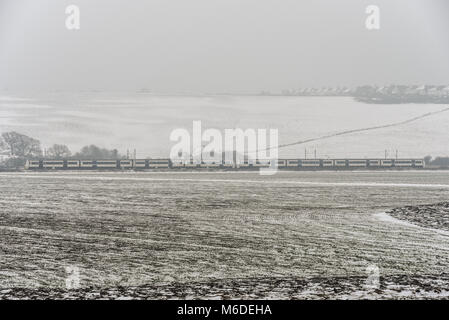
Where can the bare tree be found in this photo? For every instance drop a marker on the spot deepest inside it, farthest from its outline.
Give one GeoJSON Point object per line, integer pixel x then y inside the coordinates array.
{"type": "Point", "coordinates": [427, 160]}
{"type": "Point", "coordinates": [59, 151]}
{"type": "Point", "coordinates": [21, 146]}
{"type": "Point", "coordinates": [94, 152]}
{"type": "Point", "coordinates": [3, 146]}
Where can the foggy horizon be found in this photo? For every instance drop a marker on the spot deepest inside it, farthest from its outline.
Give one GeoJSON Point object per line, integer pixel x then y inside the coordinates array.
{"type": "Point", "coordinates": [201, 47]}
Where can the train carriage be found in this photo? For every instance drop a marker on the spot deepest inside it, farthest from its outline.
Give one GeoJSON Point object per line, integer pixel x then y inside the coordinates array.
{"type": "Point", "coordinates": [177, 164]}
{"type": "Point", "coordinates": [261, 163]}
{"type": "Point", "coordinates": [191, 164]}
{"type": "Point", "coordinates": [228, 164]}
{"type": "Point", "coordinates": [403, 163]}
{"type": "Point", "coordinates": [211, 164]}
{"type": "Point", "coordinates": [418, 163]}
{"type": "Point", "coordinates": [281, 163]}
{"type": "Point", "coordinates": [386, 163]}
{"type": "Point", "coordinates": [53, 164]}
{"type": "Point", "coordinates": [356, 163]}
{"type": "Point", "coordinates": [159, 163]}
{"type": "Point", "coordinates": [106, 164]}
{"type": "Point", "coordinates": [340, 163]}
{"type": "Point", "coordinates": [72, 164]}
{"type": "Point", "coordinates": [310, 163]}
{"type": "Point", "coordinates": [292, 163]}
{"type": "Point", "coordinates": [126, 164]}
{"type": "Point", "coordinates": [140, 164]}
{"type": "Point", "coordinates": [86, 164]}
{"type": "Point", "coordinates": [244, 164]}
{"type": "Point", "coordinates": [374, 163]}
{"type": "Point", "coordinates": [328, 163]}
{"type": "Point", "coordinates": [33, 164]}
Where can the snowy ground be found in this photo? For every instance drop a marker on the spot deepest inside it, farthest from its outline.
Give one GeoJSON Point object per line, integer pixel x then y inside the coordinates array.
{"type": "Point", "coordinates": [312, 235]}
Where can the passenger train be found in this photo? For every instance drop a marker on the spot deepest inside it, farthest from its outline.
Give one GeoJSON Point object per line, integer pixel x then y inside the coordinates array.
{"type": "Point", "coordinates": [313, 164]}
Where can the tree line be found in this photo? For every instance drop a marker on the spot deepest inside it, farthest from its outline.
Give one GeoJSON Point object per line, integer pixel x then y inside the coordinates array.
{"type": "Point", "coordinates": [442, 162]}
{"type": "Point", "coordinates": [16, 148]}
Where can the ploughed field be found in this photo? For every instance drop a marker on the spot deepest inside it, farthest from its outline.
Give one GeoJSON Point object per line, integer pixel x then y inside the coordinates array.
{"type": "Point", "coordinates": [221, 235]}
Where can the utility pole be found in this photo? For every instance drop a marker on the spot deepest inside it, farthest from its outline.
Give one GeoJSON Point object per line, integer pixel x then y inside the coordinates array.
{"type": "Point", "coordinates": [135, 154]}
{"type": "Point", "coordinates": [305, 153]}
{"type": "Point", "coordinates": [201, 154]}
{"type": "Point", "coordinates": [315, 153]}
{"type": "Point", "coordinates": [127, 154]}
{"type": "Point", "coordinates": [396, 154]}
{"type": "Point", "coordinates": [385, 153]}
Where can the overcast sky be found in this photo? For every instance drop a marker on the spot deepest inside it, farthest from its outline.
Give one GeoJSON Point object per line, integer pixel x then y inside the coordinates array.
{"type": "Point", "coordinates": [209, 46]}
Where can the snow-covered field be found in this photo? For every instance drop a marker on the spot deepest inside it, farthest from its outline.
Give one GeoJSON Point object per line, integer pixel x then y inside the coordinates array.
{"type": "Point", "coordinates": [145, 121]}
{"type": "Point", "coordinates": [220, 235]}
